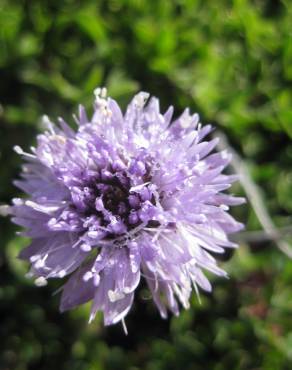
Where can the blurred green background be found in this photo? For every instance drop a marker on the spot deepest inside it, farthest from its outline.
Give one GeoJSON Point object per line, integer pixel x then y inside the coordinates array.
{"type": "Point", "coordinates": [231, 61]}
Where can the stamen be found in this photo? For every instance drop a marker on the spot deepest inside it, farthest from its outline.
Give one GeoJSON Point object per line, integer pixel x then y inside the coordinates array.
{"type": "Point", "coordinates": [41, 281]}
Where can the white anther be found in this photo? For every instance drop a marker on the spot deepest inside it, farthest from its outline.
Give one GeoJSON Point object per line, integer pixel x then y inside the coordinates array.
{"type": "Point", "coordinates": [140, 99]}
{"type": "Point", "coordinates": [39, 264]}
{"type": "Point", "coordinates": [102, 101]}
{"type": "Point", "coordinates": [48, 124]}
{"type": "Point", "coordinates": [4, 210]}
{"type": "Point", "coordinates": [34, 258]}
{"type": "Point", "coordinates": [40, 281]}
{"type": "Point", "coordinates": [85, 247]}
{"type": "Point", "coordinates": [96, 280]}
{"type": "Point", "coordinates": [97, 91]}
{"type": "Point", "coordinates": [92, 234]}
{"type": "Point", "coordinates": [115, 296]}
{"type": "Point", "coordinates": [61, 273]}
{"type": "Point", "coordinates": [18, 149]}
{"type": "Point", "coordinates": [87, 276]}
{"type": "Point", "coordinates": [103, 92]}
{"type": "Point", "coordinates": [29, 275]}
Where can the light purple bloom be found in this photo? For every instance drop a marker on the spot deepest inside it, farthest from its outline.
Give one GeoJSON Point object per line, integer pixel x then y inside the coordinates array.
{"type": "Point", "coordinates": [122, 198]}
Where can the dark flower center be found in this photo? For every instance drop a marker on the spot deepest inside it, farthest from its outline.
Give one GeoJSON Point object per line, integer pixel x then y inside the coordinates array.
{"type": "Point", "coordinates": [105, 202]}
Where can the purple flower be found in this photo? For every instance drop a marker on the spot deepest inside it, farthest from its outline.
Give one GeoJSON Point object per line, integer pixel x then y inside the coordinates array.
{"type": "Point", "coordinates": [122, 198]}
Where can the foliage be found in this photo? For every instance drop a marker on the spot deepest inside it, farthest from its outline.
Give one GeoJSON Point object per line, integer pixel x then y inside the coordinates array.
{"type": "Point", "coordinates": [232, 62]}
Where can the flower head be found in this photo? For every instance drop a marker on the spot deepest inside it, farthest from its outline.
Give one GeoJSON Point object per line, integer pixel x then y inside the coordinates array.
{"type": "Point", "coordinates": [125, 197]}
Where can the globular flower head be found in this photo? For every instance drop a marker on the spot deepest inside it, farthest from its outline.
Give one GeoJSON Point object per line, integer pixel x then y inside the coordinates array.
{"type": "Point", "coordinates": [125, 197]}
